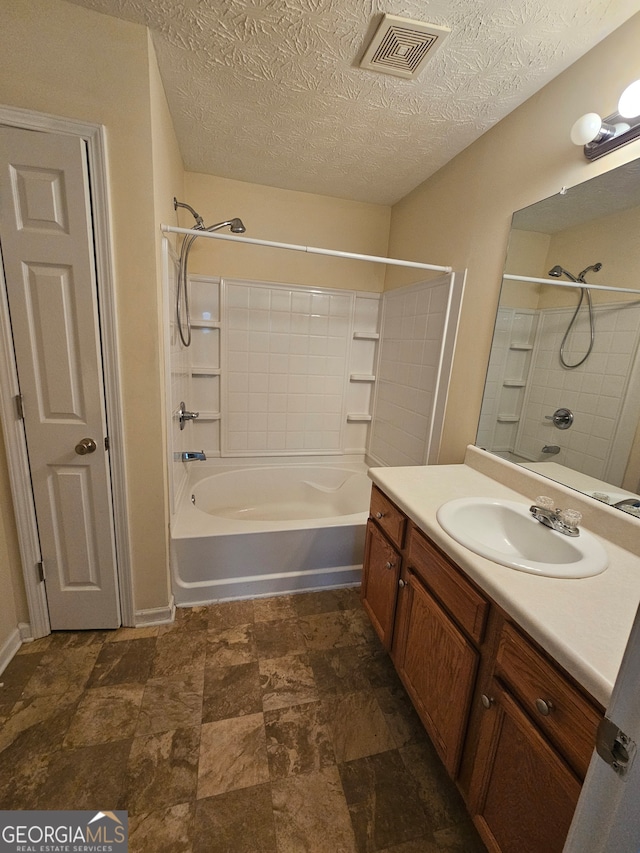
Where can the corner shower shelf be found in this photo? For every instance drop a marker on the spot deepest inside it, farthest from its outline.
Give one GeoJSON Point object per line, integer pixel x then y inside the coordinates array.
{"type": "Point", "coordinates": [508, 419]}
{"type": "Point", "coordinates": [203, 370]}
{"type": "Point", "coordinates": [521, 347]}
{"type": "Point", "coordinates": [366, 336]}
{"type": "Point", "coordinates": [205, 324]}
{"type": "Point", "coordinates": [364, 418]}
{"type": "Point", "coordinates": [362, 377]}
{"type": "Point", "coordinates": [514, 383]}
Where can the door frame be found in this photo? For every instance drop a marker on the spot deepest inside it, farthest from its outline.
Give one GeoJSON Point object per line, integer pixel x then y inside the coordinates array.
{"type": "Point", "coordinates": [13, 431]}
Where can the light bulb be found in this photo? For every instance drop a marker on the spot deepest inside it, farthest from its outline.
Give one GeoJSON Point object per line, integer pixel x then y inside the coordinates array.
{"type": "Point", "coordinates": [629, 103]}
{"type": "Point", "coordinates": [586, 129]}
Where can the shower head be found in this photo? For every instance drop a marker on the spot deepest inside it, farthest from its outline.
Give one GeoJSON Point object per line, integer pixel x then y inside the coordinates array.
{"type": "Point", "coordinates": [595, 267]}
{"type": "Point", "coordinates": [236, 226]}
{"type": "Point", "coordinates": [558, 271]}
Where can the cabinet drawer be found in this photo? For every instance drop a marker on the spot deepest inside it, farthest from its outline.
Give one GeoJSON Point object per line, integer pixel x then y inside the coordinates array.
{"type": "Point", "coordinates": [566, 716]}
{"type": "Point", "coordinates": [461, 599]}
{"type": "Point", "coordinates": [388, 516]}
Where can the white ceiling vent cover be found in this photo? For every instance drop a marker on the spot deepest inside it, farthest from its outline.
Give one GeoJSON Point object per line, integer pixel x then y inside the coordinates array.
{"type": "Point", "coordinates": [402, 47]}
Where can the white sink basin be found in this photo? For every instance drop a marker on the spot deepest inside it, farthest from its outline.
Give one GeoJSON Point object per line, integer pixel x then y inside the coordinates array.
{"type": "Point", "coordinates": [507, 533]}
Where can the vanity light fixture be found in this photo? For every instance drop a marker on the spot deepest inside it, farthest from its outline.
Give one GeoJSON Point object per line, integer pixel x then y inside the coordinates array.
{"type": "Point", "coordinates": [601, 136]}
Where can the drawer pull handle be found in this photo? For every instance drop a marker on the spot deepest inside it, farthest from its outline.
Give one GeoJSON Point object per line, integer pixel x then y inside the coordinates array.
{"type": "Point", "coordinates": [487, 701]}
{"type": "Point", "coordinates": [379, 515]}
{"type": "Point", "coordinates": [389, 565]}
{"type": "Point", "coordinates": [544, 706]}
{"type": "Point", "coordinates": [402, 583]}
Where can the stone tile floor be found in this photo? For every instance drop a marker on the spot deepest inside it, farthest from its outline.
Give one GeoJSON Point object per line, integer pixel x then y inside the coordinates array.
{"type": "Point", "coordinates": [269, 726]}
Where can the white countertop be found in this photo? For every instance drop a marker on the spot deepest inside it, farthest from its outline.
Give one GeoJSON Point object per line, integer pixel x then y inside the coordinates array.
{"type": "Point", "coordinates": [583, 623]}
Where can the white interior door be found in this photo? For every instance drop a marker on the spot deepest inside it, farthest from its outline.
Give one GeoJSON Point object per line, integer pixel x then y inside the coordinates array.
{"type": "Point", "coordinates": [47, 252]}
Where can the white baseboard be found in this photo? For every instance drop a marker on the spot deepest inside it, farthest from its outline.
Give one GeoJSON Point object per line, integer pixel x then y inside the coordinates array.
{"type": "Point", "coordinates": [9, 648]}
{"type": "Point", "coordinates": [156, 615]}
{"type": "Point", "coordinates": [26, 634]}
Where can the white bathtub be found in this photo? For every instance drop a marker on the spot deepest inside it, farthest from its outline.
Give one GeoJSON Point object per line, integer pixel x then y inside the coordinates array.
{"type": "Point", "coordinates": [249, 532]}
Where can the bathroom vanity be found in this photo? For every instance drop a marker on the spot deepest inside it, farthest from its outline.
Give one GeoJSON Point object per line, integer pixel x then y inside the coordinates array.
{"type": "Point", "coordinates": [509, 672]}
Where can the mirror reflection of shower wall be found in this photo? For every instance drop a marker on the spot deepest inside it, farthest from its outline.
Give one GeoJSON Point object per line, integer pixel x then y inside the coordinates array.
{"type": "Point", "coordinates": [600, 392]}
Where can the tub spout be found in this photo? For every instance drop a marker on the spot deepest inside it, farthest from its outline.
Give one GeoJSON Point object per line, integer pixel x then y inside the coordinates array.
{"type": "Point", "coordinates": [193, 455]}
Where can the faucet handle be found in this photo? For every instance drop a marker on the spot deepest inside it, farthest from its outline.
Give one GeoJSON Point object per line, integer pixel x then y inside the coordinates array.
{"type": "Point", "coordinates": [544, 502]}
{"type": "Point", "coordinates": [570, 517]}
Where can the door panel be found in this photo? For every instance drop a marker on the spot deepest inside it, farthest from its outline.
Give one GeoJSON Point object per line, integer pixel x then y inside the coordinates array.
{"type": "Point", "coordinates": [47, 249]}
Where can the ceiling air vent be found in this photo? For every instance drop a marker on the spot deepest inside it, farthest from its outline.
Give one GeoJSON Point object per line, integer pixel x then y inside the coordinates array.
{"type": "Point", "coordinates": [402, 47]}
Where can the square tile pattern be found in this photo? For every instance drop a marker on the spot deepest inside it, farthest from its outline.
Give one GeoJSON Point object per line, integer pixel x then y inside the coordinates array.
{"type": "Point", "coordinates": [269, 726]}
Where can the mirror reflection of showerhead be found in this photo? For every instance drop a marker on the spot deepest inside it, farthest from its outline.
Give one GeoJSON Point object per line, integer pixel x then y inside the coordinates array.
{"type": "Point", "coordinates": [558, 271]}
{"type": "Point", "coordinates": [595, 267]}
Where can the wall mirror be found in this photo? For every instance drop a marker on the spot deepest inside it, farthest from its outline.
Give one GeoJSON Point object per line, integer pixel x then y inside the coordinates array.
{"type": "Point", "coordinates": [562, 394]}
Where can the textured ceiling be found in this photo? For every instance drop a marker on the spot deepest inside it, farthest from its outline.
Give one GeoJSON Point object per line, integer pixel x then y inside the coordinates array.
{"type": "Point", "coordinates": [270, 92]}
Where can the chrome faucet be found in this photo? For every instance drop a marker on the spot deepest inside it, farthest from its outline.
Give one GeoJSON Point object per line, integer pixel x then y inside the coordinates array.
{"type": "Point", "coordinates": [630, 505]}
{"type": "Point", "coordinates": [193, 455]}
{"type": "Point", "coordinates": [563, 520]}
{"type": "Point", "coordinates": [184, 416]}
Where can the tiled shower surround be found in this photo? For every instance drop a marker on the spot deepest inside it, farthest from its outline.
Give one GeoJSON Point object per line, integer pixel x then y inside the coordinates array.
{"type": "Point", "coordinates": [284, 356]}
{"type": "Point", "coordinates": [288, 370]}
{"type": "Point", "coordinates": [413, 329]}
{"type": "Point", "coordinates": [526, 382]}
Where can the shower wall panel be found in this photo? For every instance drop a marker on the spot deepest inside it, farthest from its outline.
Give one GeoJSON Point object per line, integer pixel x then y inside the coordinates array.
{"type": "Point", "coordinates": [178, 381]}
{"type": "Point", "coordinates": [286, 369]}
{"type": "Point", "coordinates": [605, 414]}
{"type": "Point", "coordinates": [414, 321]}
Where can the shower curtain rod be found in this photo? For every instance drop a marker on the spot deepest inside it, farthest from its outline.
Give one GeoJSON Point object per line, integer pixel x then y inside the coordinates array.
{"type": "Point", "coordinates": [312, 250]}
{"type": "Point", "coordinates": [572, 284]}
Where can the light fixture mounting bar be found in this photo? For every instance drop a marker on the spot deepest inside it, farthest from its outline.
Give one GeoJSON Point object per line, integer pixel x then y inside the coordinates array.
{"type": "Point", "coordinates": [594, 150]}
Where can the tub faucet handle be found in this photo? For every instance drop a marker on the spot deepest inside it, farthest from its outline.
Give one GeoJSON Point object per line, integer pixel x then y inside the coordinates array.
{"type": "Point", "coordinates": [184, 416]}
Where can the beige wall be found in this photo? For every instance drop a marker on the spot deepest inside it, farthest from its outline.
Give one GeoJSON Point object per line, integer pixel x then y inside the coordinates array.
{"type": "Point", "coordinates": [526, 255]}
{"type": "Point", "coordinates": [612, 240]}
{"type": "Point", "coordinates": [289, 217]}
{"type": "Point", "coordinates": [60, 59]}
{"type": "Point", "coordinates": [461, 216]}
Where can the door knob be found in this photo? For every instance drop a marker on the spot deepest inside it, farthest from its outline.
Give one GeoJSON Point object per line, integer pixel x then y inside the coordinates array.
{"type": "Point", "coordinates": [87, 445]}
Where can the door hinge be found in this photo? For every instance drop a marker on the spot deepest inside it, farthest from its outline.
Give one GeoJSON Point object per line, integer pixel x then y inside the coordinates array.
{"type": "Point", "coordinates": [19, 406]}
{"type": "Point", "coordinates": [40, 571]}
{"type": "Point", "coordinates": [107, 444]}
{"type": "Point", "coordinates": [615, 747]}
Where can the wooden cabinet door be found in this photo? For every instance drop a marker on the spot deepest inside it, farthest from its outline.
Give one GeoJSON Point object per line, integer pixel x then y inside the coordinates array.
{"type": "Point", "coordinates": [380, 582]}
{"type": "Point", "coordinates": [522, 794]}
{"type": "Point", "coordinates": [438, 667]}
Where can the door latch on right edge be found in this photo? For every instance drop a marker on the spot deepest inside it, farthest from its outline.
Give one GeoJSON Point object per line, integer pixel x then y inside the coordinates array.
{"type": "Point", "coordinates": [615, 747]}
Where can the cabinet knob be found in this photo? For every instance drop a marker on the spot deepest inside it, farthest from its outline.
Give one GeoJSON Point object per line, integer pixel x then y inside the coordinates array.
{"type": "Point", "coordinates": [379, 515]}
{"type": "Point", "coordinates": [544, 707]}
{"type": "Point", "coordinates": [389, 565]}
{"type": "Point", "coordinates": [487, 701]}
{"type": "Point", "coordinates": [402, 583]}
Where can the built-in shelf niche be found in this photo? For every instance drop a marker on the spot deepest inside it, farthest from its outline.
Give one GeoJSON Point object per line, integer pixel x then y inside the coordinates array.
{"type": "Point", "coordinates": [361, 373]}
{"type": "Point", "coordinates": [507, 378]}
